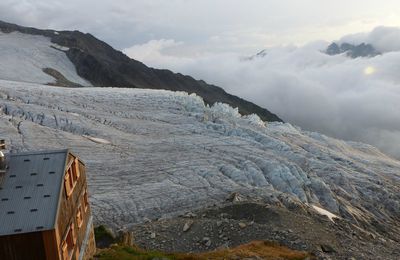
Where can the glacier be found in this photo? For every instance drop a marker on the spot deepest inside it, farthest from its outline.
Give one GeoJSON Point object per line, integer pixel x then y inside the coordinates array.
{"type": "Point", "coordinates": [154, 154]}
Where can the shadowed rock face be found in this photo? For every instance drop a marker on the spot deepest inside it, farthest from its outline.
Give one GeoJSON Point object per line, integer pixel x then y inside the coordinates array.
{"type": "Point", "coordinates": [60, 79]}
{"type": "Point", "coordinates": [104, 66]}
{"type": "Point", "coordinates": [353, 51]}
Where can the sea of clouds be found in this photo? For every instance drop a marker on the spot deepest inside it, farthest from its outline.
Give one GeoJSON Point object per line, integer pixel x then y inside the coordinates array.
{"type": "Point", "coordinates": [352, 99]}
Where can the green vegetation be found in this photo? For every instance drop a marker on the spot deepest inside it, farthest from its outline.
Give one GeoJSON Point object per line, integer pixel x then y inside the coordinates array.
{"type": "Point", "coordinates": [104, 237]}
{"type": "Point", "coordinates": [130, 253]}
{"type": "Point", "coordinates": [256, 249]}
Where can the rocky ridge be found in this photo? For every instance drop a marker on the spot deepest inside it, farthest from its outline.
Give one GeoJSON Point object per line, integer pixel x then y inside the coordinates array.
{"type": "Point", "coordinates": [103, 66]}
{"type": "Point", "coordinates": [236, 223]}
{"type": "Point", "coordinates": [353, 51]}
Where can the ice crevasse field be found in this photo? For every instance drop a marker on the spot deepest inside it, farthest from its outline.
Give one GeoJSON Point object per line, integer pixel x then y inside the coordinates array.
{"type": "Point", "coordinates": [155, 153]}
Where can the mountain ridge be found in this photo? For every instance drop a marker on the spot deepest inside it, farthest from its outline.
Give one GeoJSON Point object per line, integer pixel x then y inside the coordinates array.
{"type": "Point", "coordinates": [351, 50]}
{"type": "Point", "coordinates": [102, 66]}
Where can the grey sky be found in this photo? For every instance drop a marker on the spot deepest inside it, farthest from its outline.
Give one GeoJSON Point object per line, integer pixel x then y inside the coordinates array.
{"type": "Point", "coordinates": [206, 25]}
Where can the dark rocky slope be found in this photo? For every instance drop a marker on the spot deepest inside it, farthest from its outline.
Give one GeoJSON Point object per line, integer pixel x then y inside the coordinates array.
{"type": "Point", "coordinates": [237, 223]}
{"type": "Point", "coordinates": [103, 66]}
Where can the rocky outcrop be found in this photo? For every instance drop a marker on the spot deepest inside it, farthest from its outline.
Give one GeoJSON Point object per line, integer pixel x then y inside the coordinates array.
{"type": "Point", "coordinates": [353, 51]}
{"type": "Point", "coordinates": [233, 224]}
{"type": "Point", "coordinates": [60, 79]}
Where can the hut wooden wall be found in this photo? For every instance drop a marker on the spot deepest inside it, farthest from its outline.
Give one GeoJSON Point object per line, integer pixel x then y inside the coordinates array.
{"type": "Point", "coordinates": [50, 245]}
{"type": "Point", "coordinates": [47, 244]}
{"type": "Point", "coordinates": [22, 247]}
{"type": "Point", "coordinates": [68, 211]}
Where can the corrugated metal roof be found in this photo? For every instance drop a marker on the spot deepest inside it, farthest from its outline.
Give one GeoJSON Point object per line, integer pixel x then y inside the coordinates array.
{"type": "Point", "coordinates": [29, 195]}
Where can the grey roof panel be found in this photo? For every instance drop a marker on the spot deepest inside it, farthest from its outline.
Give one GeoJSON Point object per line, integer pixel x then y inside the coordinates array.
{"type": "Point", "coordinates": [29, 194]}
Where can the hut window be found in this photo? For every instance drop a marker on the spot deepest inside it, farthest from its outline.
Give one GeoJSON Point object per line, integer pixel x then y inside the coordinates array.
{"type": "Point", "coordinates": [86, 200]}
{"type": "Point", "coordinates": [71, 177]}
{"type": "Point", "coordinates": [68, 244]}
{"type": "Point", "coordinates": [79, 217]}
{"type": "Point", "coordinates": [68, 183]}
{"type": "Point", "coordinates": [75, 169]}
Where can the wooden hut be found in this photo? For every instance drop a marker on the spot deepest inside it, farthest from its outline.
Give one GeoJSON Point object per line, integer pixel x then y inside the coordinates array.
{"type": "Point", "coordinates": [44, 207]}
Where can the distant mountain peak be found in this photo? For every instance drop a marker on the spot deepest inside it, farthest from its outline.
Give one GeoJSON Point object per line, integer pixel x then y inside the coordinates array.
{"type": "Point", "coordinates": [260, 54]}
{"type": "Point", "coordinates": [353, 51]}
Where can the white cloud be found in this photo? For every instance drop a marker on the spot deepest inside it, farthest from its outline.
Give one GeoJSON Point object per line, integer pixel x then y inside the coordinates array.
{"type": "Point", "coordinates": [384, 39]}
{"type": "Point", "coordinates": [352, 99]}
{"type": "Point", "coordinates": [155, 52]}
{"type": "Point", "coordinates": [245, 25]}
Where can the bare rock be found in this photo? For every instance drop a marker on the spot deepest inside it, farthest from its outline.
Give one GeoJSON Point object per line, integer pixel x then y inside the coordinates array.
{"type": "Point", "coordinates": [126, 238]}
{"type": "Point", "coordinates": [235, 197]}
{"type": "Point", "coordinates": [207, 241]}
{"type": "Point", "coordinates": [187, 225]}
{"type": "Point", "coordinates": [190, 215]}
{"type": "Point", "coordinates": [327, 248]}
{"type": "Point", "coordinates": [242, 225]}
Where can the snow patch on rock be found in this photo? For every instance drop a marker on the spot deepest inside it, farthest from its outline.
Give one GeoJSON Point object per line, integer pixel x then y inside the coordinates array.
{"type": "Point", "coordinates": [24, 56]}
{"type": "Point", "coordinates": [326, 213]}
{"type": "Point", "coordinates": [97, 140]}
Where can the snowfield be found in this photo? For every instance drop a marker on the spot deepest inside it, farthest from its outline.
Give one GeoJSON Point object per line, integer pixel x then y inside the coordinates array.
{"type": "Point", "coordinates": [23, 56]}
{"type": "Point", "coordinates": [153, 153]}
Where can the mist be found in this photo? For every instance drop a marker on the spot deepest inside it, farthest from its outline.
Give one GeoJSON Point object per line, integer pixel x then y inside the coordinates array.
{"type": "Point", "coordinates": [351, 99]}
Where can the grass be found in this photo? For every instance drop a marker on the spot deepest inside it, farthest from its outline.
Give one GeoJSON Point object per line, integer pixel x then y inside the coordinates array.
{"type": "Point", "coordinates": [261, 249]}
{"type": "Point", "coordinates": [130, 253]}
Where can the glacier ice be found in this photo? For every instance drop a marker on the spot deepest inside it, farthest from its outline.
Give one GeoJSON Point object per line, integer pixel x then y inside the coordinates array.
{"type": "Point", "coordinates": [155, 153]}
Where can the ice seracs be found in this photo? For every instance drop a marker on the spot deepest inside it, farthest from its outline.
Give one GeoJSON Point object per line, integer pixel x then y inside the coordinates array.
{"type": "Point", "coordinates": [171, 153]}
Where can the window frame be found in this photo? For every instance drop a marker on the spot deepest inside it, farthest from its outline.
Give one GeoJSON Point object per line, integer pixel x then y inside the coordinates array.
{"type": "Point", "coordinates": [86, 200]}
{"type": "Point", "coordinates": [69, 187]}
{"type": "Point", "coordinates": [72, 175]}
{"type": "Point", "coordinates": [68, 245]}
{"type": "Point", "coordinates": [75, 169]}
{"type": "Point", "coordinates": [79, 216]}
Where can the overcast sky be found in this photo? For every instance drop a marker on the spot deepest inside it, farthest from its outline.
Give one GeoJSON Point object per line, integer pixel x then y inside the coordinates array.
{"type": "Point", "coordinates": [206, 25]}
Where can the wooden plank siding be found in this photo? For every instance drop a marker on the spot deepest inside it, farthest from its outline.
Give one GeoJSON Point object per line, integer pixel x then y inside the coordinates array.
{"type": "Point", "coordinates": [68, 210]}
{"type": "Point", "coordinates": [50, 245]}
{"type": "Point", "coordinates": [23, 246]}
